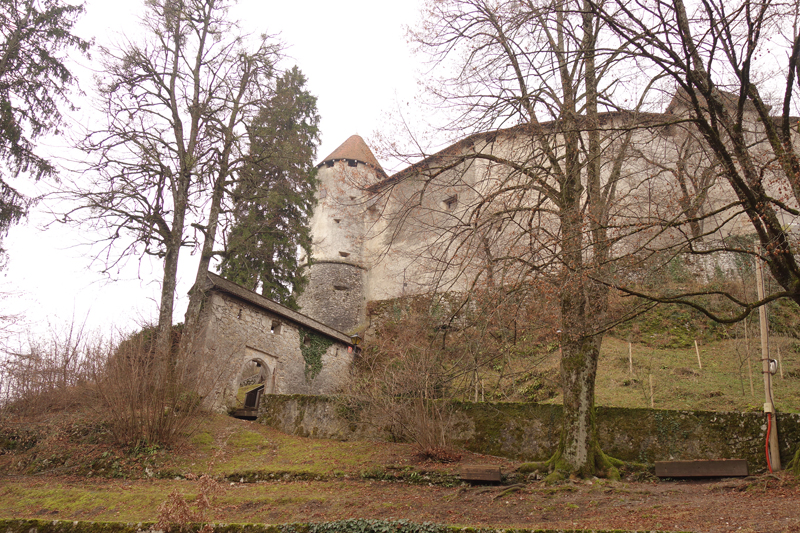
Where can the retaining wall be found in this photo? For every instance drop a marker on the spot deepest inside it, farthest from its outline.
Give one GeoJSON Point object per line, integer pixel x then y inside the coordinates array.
{"type": "Point", "coordinates": [530, 432]}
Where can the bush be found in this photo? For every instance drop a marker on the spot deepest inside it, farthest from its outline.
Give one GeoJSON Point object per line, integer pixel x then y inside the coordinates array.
{"type": "Point", "coordinates": [476, 346]}
{"type": "Point", "coordinates": [150, 399]}
{"type": "Point", "coordinates": [52, 374]}
{"type": "Point", "coordinates": [396, 382]}
{"type": "Point", "coordinates": [142, 399]}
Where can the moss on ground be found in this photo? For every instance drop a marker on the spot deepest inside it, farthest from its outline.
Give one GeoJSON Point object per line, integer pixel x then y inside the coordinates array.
{"type": "Point", "coordinates": [339, 526]}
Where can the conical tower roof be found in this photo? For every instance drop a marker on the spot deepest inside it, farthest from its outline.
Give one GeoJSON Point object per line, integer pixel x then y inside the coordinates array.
{"type": "Point", "coordinates": [355, 149]}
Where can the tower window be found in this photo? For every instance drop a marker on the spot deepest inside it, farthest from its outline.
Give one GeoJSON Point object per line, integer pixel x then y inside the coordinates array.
{"type": "Point", "coordinates": [451, 202]}
{"type": "Point", "coordinates": [276, 327]}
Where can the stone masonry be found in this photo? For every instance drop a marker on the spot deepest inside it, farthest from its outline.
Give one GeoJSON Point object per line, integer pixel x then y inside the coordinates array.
{"type": "Point", "coordinates": [239, 327]}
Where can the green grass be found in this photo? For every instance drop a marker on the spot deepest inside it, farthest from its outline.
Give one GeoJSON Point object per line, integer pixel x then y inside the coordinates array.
{"type": "Point", "coordinates": [722, 384]}
{"type": "Point", "coordinates": [240, 447]}
{"type": "Point", "coordinates": [82, 500]}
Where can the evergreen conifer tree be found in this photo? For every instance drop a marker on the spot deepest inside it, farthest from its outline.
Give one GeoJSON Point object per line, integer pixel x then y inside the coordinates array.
{"type": "Point", "coordinates": [35, 38]}
{"type": "Point", "coordinates": [274, 197]}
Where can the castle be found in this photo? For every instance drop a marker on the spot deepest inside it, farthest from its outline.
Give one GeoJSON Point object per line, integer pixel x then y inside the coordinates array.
{"type": "Point", "coordinates": [455, 216]}
{"type": "Point", "coordinates": [484, 209]}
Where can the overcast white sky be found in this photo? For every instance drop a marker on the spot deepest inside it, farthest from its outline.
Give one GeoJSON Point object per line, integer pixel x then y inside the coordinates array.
{"type": "Point", "coordinates": [359, 65]}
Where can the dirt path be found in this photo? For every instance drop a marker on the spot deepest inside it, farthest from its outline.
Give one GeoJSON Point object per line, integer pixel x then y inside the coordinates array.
{"type": "Point", "coordinates": [758, 504]}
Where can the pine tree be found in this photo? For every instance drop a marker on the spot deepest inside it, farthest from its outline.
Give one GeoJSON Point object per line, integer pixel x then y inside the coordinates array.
{"type": "Point", "coordinates": [274, 197]}
{"type": "Point", "coordinates": [34, 82]}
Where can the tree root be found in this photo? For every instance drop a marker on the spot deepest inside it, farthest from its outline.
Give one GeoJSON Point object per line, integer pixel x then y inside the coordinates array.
{"type": "Point", "coordinates": [536, 466]}
{"type": "Point", "coordinates": [604, 466]}
{"type": "Point", "coordinates": [508, 490]}
{"type": "Point", "coordinates": [610, 466]}
{"type": "Point", "coordinates": [456, 494]}
{"type": "Point", "coordinates": [794, 464]}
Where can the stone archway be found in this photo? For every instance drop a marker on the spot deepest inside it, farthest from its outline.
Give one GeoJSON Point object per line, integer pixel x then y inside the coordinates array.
{"type": "Point", "coordinates": [255, 378]}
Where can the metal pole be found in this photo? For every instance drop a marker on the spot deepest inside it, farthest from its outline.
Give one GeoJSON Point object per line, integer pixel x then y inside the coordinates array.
{"type": "Point", "coordinates": [769, 406]}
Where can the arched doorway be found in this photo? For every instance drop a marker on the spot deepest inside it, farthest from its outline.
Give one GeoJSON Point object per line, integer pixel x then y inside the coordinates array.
{"type": "Point", "coordinates": [255, 378]}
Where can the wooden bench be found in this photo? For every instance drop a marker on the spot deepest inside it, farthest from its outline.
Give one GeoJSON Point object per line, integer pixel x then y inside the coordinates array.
{"type": "Point", "coordinates": [702, 468]}
{"type": "Point", "coordinates": [480, 473]}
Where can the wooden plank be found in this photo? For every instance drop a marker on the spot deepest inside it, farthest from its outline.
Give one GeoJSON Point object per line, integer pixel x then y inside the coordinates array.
{"type": "Point", "coordinates": [247, 413]}
{"type": "Point", "coordinates": [702, 468]}
{"type": "Point", "coordinates": [253, 396]}
{"type": "Point", "coordinates": [480, 473]}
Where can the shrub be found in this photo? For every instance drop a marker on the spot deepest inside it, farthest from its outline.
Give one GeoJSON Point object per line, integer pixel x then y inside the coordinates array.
{"type": "Point", "coordinates": [150, 399]}
{"type": "Point", "coordinates": [142, 399]}
{"type": "Point", "coordinates": [426, 352]}
{"type": "Point", "coordinates": [176, 514]}
{"type": "Point", "coordinates": [50, 374]}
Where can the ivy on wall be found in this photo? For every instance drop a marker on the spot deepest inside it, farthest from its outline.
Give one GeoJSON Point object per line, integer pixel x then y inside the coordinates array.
{"type": "Point", "coordinates": [313, 346]}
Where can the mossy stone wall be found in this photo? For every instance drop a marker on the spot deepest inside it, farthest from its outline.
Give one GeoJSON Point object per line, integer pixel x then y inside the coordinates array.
{"type": "Point", "coordinates": [530, 432]}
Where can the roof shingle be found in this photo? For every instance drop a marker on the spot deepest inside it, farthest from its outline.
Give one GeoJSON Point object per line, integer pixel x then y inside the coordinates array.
{"type": "Point", "coordinates": [356, 149]}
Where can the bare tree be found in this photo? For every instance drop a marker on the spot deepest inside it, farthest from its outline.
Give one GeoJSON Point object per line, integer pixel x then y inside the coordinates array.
{"type": "Point", "coordinates": [176, 104]}
{"type": "Point", "coordinates": [531, 198]}
{"type": "Point", "coordinates": [728, 61]}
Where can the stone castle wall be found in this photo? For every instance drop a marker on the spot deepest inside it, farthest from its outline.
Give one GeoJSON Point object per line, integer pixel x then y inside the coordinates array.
{"type": "Point", "coordinates": [335, 295]}
{"type": "Point", "coordinates": [530, 431]}
{"type": "Point", "coordinates": [236, 332]}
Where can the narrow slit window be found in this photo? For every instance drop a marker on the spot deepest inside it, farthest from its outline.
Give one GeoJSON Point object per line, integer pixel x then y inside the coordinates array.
{"type": "Point", "coordinates": [275, 328]}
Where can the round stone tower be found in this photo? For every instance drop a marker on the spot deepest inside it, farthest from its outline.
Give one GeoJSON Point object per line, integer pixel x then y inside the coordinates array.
{"type": "Point", "coordinates": [335, 294]}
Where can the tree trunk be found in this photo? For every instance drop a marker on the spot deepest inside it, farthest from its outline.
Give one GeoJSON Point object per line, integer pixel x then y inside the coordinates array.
{"type": "Point", "coordinates": [196, 295]}
{"type": "Point", "coordinates": [579, 451]}
{"type": "Point", "coordinates": [223, 174]}
{"type": "Point", "coordinates": [579, 448]}
{"type": "Point", "coordinates": [169, 282]}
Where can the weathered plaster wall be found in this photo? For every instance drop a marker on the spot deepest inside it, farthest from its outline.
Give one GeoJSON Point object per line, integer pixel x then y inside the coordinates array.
{"type": "Point", "coordinates": [335, 294]}
{"type": "Point", "coordinates": [531, 431]}
{"type": "Point", "coordinates": [431, 227]}
{"type": "Point", "coordinates": [236, 332]}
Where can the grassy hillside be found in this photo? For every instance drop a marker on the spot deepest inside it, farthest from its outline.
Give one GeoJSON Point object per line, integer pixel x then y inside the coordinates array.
{"type": "Point", "coordinates": [722, 384]}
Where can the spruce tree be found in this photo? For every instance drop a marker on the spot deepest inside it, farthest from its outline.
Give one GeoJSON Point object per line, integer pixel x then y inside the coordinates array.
{"type": "Point", "coordinates": [35, 77]}
{"type": "Point", "coordinates": [274, 196]}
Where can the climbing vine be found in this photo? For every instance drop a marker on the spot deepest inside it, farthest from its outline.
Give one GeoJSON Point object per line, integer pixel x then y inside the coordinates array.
{"type": "Point", "coordinates": [313, 346]}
